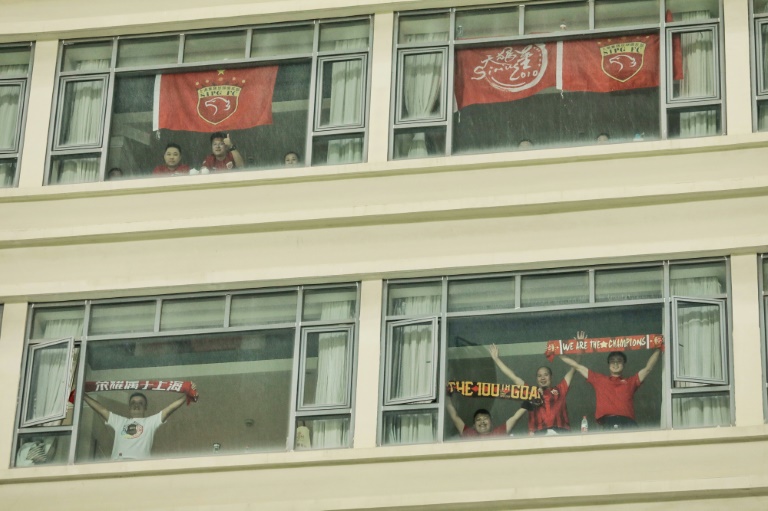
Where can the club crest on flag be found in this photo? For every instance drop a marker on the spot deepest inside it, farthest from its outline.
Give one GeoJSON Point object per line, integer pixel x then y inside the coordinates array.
{"type": "Point", "coordinates": [514, 68]}
{"type": "Point", "coordinates": [622, 61]}
{"type": "Point", "coordinates": [217, 100]}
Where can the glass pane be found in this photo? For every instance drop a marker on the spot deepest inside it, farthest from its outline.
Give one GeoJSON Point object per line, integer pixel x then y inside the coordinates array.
{"type": "Point", "coordinates": [612, 13]}
{"type": "Point", "coordinates": [74, 169]}
{"type": "Point", "coordinates": [701, 280]}
{"type": "Point", "coordinates": [10, 99]}
{"type": "Point", "coordinates": [765, 277]}
{"type": "Point", "coordinates": [337, 150]}
{"type": "Point", "coordinates": [49, 375]}
{"type": "Point", "coordinates": [82, 113]}
{"type": "Point", "coordinates": [695, 122]}
{"type": "Point", "coordinates": [411, 363]}
{"type": "Point", "coordinates": [42, 449]}
{"type": "Point", "coordinates": [7, 173]}
{"type": "Point", "coordinates": [764, 53]}
{"type": "Point", "coordinates": [329, 304]}
{"type": "Point", "coordinates": [629, 284]}
{"type": "Point", "coordinates": [410, 427]}
{"type": "Point", "coordinates": [422, 86]}
{"type": "Point", "coordinates": [342, 93]}
{"type": "Point", "coordinates": [87, 56]}
{"type": "Point", "coordinates": [148, 52]}
{"type": "Point", "coordinates": [347, 36]}
{"type": "Point", "coordinates": [556, 289]}
{"type": "Point", "coordinates": [760, 6]}
{"type": "Point", "coordinates": [488, 23]}
{"type": "Point", "coordinates": [325, 433]}
{"type": "Point", "coordinates": [699, 343]}
{"type": "Point", "coordinates": [273, 42]}
{"type": "Point", "coordinates": [701, 411]}
{"type": "Point", "coordinates": [693, 65]}
{"type": "Point", "coordinates": [117, 318]}
{"type": "Point", "coordinates": [472, 295]}
{"type": "Point", "coordinates": [187, 313]}
{"type": "Point", "coordinates": [327, 373]}
{"type": "Point", "coordinates": [14, 61]}
{"type": "Point", "coordinates": [556, 18]}
{"type": "Point", "coordinates": [414, 299]}
{"type": "Point", "coordinates": [419, 142]}
{"type": "Point", "coordinates": [691, 10]}
{"type": "Point", "coordinates": [57, 322]}
{"type": "Point", "coordinates": [243, 380]}
{"type": "Point", "coordinates": [210, 47]}
{"type": "Point", "coordinates": [423, 28]}
{"type": "Point", "coordinates": [263, 309]}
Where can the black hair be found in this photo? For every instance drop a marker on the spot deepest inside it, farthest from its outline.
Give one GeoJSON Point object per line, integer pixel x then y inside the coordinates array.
{"type": "Point", "coordinates": [139, 394]}
{"type": "Point", "coordinates": [549, 369]}
{"type": "Point", "coordinates": [617, 354]}
{"type": "Point", "coordinates": [218, 134]}
{"type": "Point", "coordinates": [174, 145]}
{"type": "Point", "coordinates": [481, 410]}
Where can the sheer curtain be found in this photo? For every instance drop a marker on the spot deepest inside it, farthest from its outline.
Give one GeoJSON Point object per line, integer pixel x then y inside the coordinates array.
{"type": "Point", "coordinates": [412, 371]}
{"type": "Point", "coordinates": [10, 99]}
{"type": "Point", "coordinates": [346, 103]}
{"type": "Point", "coordinates": [762, 116]}
{"type": "Point", "coordinates": [422, 88]}
{"type": "Point", "coordinates": [332, 376]}
{"type": "Point", "coordinates": [81, 123]}
{"type": "Point", "coordinates": [698, 77]}
{"type": "Point", "coordinates": [702, 356]}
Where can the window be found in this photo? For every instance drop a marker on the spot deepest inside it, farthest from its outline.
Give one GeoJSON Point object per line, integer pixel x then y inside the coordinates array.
{"type": "Point", "coordinates": [530, 76]}
{"type": "Point", "coordinates": [759, 10]}
{"type": "Point", "coordinates": [131, 107]}
{"type": "Point", "coordinates": [15, 72]}
{"type": "Point", "coordinates": [273, 370]}
{"type": "Point", "coordinates": [455, 345]}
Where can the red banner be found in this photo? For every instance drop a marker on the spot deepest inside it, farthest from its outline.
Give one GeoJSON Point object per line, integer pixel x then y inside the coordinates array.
{"type": "Point", "coordinates": [216, 100]}
{"type": "Point", "coordinates": [495, 75]}
{"type": "Point", "coordinates": [496, 390]}
{"type": "Point", "coordinates": [604, 345]}
{"type": "Point", "coordinates": [182, 387]}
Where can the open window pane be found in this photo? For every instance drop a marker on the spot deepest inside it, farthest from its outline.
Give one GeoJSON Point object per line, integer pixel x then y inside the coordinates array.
{"type": "Point", "coordinates": [422, 86]}
{"type": "Point", "coordinates": [342, 93]}
{"type": "Point", "coordinates": [410, 427]}
{"type": "Point", "coordinates": [613, 13]}
{"type": "Point", "coordinates": [50, 371]}
{"type": "Point", "coordinates": [699, 343]}
{"type": "Point", "coordinates": [326, 368]}
{"type": "Point", "coordinates": [322, 433]}
{"type": "Point", "coordinates": [411, 362]}
{"type": "Point", "coordinates": [216, 46]}
{"type": "Point", "coordinates": [148, 52]}
{"type": "Point", "coordinates": [82, 113]}
{"type": "Point", "coordinates": [10, 115]}
{"type": "Point", "coordinates": [419, 142]}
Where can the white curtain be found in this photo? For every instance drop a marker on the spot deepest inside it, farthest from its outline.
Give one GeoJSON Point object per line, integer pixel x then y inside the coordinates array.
{"type": "Point", "coordinates": [10, 99]}
{"type": "Point", "coordinates": [700, 349]}
{"type": "Point", "coordinates": [762, 118]}
{"type": "Point", "coordinates": [422, 89]}
{"type": "Point", "coordinates": [346, 103]}
{"type": "Point", "coordinates": [409, 428]}
{"type": "Point", "coordinates": [698, 77]}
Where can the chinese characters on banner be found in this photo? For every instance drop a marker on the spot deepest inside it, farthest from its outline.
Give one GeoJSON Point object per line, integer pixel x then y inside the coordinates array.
{"type": "Point", "coordinates": [182, 387]}
{"type": "Point", "coordinates": [604, 345]}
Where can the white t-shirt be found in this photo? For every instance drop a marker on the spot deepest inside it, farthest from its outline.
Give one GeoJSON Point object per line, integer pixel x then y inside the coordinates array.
{"type": "Point", "coordinates": [133, 437]}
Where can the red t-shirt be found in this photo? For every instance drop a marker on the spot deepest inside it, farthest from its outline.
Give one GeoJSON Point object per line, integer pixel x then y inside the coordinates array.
{"type": "Point", "coordinates": [552, 412]}
{"type": "Point", "coordinates": [497, 431]}
{"type": "Point", "coordinates": [212, 164]}
{"type": "Point", "coordinates": [614, 395]}
{"type": "Point", "coordinates": [162, 169]}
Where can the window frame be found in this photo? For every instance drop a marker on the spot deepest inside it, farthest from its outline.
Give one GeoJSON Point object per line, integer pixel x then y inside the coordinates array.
{"type": "Point", "coordinates": [677, 377]}
{"type": "Point", "coordinates": [402, 54]}
{"type": "Point", "coordinates": [14, 153]}
{"type": "Point", "coordinates": [302, 372]}
{"type": "Point", "coordinates": [32, 351]}
{"type": "Point", "coordinates": [429, 396]}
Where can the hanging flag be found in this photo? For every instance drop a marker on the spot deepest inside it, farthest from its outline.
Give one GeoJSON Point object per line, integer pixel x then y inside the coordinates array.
{"type": "Point", "coordinates": [509, 73]}
{"type": "Point", "coordinates": [215, 100]}
{"type": "Point", "coordinates": [611, 64]}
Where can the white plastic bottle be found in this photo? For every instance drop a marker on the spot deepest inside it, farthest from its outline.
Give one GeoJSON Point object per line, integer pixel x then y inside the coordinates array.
{"type": "Point", "coordinates": [584, 424]}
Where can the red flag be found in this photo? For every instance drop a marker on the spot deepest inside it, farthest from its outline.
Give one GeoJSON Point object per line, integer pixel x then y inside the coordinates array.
{"type": "Point", "coordinates": [508, 73]}
{"type": "Point", "coordinates": [611, 64]}
{"type": "Point", "coordinates": [216, 100]}
{"type": "Point", "coordinates": [604, 345]}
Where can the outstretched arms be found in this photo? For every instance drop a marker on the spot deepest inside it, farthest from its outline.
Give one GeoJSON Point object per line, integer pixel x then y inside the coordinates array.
{"type": "Point", "coordinates": [97, 407]}
{"type": "Point", "coordinates": [645, 371]}
{"type": "Point", "coordinates": [580, 336]}
{"type": "Point", "coordinates": [494, 351]}
{"type": "Point", "coordinates": [454, 416]}
{"type": "Point", "coordinates": [516, 417]}
{"type": "Point", "coordinates": [168, 410]}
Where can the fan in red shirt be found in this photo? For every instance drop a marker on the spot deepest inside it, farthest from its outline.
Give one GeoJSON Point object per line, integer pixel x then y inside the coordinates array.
{"type": "Point", "coordinates": [614, 394]}
{"type": "Point", "coordinates": [172, 162]}
{"type": "Point", "coordinates": [224, 155]}
{"type": "Point", "coordinates": [482, 425]}
{"type": "Point", "coordinates": [548, 415]}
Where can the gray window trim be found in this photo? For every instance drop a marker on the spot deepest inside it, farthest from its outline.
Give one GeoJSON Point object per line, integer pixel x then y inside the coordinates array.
{"type": "Point", "coordinates": [347, 403]}
{"type": "Point", "coordinates": [429, 120]}
{"type": "Point", "coordinates": [677, 376]}
{"type": "Point", "coordinates": [716, 78]}
{"type": "Point", "coordinates": [431, 394]}
{"type": "Point", "coordinates": [62, 398]}
{"type": "Point", "coordinates": [80, 148]}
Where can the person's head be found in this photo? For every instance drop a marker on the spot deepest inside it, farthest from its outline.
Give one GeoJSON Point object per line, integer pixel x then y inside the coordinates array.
{"type": "Point", "coordinates": [137, 405]}
{"type": "Point", "coordinates": [218, 147]}
{"type": "Point", "coordinates": [482, 421]}
{"type": "Point", "coordinates": [544, 376]}
{"type": "Point", "coordinates": [603, 138]}
{"type": "Point", "coordinates": [172, 155]}
{"type": "Point", "coordinates": [616, 362]}
{"type": "Point", "coordinates": [115, 173]}
{"type": "Point", "coordinates": [525, 144]}
{"type": "Point", "coordinates": [291, 159]}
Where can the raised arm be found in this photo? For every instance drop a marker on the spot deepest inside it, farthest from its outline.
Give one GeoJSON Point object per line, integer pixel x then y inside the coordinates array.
{"type": "Point", "coordinates": [494, 351]}
{"type": "Point", "coordinates": [575, 365]}
{"type": "Point", "coordinates": [516, 417]}
{"type": "Point", "coordinates": [236, 156]}
{"type": "Point", "coordinates": [97, 407]}
{"type": "Point", "coordinates": [454, 416]}
{"type": "Point", "coordinates": [168, 410]}
{"type": "Point", "coordinates": [645, 371]}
